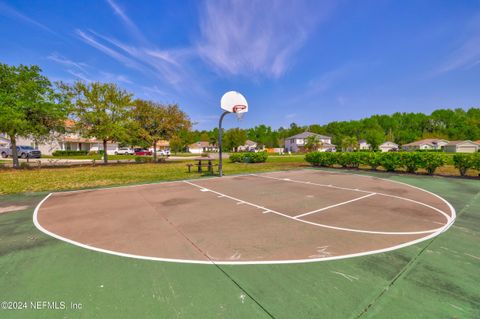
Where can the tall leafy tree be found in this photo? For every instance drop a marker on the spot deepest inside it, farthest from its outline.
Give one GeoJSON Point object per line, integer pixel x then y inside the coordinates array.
{"type": "Point", "coordinates": [29, 105]}
{"type": "Point", "coordinates": [158, 122]}
{"type": "Point", "coordinates": [350, 143]}
{"type": "Point", "coordinates": [101, 110]}
{"type": "Point", "coordinates": [312, 143]}
{"type": "Point", "coordinates": [233, 138]}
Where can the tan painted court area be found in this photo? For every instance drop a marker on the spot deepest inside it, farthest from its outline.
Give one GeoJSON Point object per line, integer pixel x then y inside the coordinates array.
{"type": "Point", "coordinates": [279, 217]}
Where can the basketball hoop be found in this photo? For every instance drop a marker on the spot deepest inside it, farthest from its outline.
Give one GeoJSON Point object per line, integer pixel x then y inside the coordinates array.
{"type": "Point", "coordinates": [231, 102]}
{"type": "Point", "coordinates": [239, 111]}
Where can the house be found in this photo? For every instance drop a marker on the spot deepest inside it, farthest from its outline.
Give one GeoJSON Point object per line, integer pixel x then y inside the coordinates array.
{"type": "Point", "coordinates": [161, 145]}
{"type": "Point", "coordinates": [363, 145]}
{"type": "Point", "coordinates": [388, 146]}
{"type": "Point", "coordinates": [4, 141]}
{"type": "Point", "coordinates": [202, 147]}
{"type": "Point", "coordinates": [297, 142]}
{"type": "Point", "coordinates": [461, 147]}
{"type": "Point", "coordinates": [248, 147]}
{"type": "Point", "coordinates": [71, 140]}
{"type": "Point", "coordinates": [425, 144]}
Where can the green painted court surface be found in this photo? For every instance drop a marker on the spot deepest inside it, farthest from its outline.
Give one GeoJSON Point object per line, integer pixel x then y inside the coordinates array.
{"type": "Point", "coordinates": [437, 278]}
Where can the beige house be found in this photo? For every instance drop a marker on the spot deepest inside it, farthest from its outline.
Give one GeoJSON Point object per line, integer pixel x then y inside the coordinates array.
{"type": "Point", "coordinates": [363, 145]}
{"type": "Point", "coordinates": [462, 147]}
{"type": "Point", "coordinates": [388, 146]}
{"type": "Point", "coordinates": [202, 147]}
{"type": "Point", "coordinates": [426, 144]}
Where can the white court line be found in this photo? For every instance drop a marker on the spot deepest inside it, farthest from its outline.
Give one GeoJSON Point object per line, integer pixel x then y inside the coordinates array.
{"type": "Point", "coordinates": [316, 224]}
{"type": "Point", "coordinates": [266, 262]}
{"type": "Point", "coordinates": [448, 218]}
{"type": "Point", "coordinates": [332, 206]}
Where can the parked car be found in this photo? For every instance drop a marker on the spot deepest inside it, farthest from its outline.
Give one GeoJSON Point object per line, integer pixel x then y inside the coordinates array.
{"type": "Point", "coordinates": [125, 151]}
{"type": "Point", "coordinates": [142, 151]}
{"type": "Point", "coordinates": [22, 152]}
{"type": "Point", "coordinates": [163, 152]}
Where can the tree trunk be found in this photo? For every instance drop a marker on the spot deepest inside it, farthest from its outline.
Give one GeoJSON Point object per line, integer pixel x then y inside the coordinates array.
{"type": "Point", "coordinates": [105, 157]}
{"type": "Point", "coordinates": [155, 151]}
{"type": "Point", "coordinates": [13, 145]}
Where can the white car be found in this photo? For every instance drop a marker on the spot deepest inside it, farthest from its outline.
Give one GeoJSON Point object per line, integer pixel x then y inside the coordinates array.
{"type": "Point", "coordinates": [163, 152]}
{"type": "Point", "coordinates": [125, 151]}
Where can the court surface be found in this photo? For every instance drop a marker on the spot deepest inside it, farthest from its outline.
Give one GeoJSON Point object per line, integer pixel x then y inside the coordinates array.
{"type": "Point", "coordinates": [266, 218]}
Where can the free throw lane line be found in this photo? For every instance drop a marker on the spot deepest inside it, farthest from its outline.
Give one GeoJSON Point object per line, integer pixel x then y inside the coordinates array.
{"type": "Point", "coordinates": [447, 217]}
{"type": "Point", "coordinates": [332, 206]}
{"type": "Point", "coordinates": [263, 208]}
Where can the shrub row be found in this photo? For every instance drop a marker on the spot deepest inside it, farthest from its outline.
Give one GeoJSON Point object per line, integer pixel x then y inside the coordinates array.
{"type": "Point", "coordinates": [248, 157]}
{"type": "Point", "coordinates": [69, 153]}
{"type": "Point", "coordinates": [390, 161]}
{"type": "Point", "coordinates": [464, 162]}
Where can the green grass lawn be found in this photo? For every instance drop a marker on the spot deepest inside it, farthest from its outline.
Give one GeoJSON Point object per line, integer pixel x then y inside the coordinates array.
{"type": "Point", "coordinates": [63, 178]}
{"type": "Point", "coordinates": [434, 279]}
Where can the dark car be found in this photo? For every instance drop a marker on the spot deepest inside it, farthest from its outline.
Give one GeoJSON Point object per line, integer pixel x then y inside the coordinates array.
{"type": "Point", "coordinates": [142, 151]}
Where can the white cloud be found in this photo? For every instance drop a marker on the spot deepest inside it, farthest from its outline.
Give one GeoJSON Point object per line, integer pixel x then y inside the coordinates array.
{"type": "Point", "coordinates": [467, 55]}
{"type": "Point", "coordinates": [11, 12]}
{"type": "Point", "coordinates": [64, 61]}
{"type": "Point", "coordinates": [129, 24]}
{"type": "Point", "coordinates": [255, 37]}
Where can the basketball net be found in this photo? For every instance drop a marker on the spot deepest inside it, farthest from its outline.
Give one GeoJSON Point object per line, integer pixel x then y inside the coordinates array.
{"type": "Point", "coordinates": [237, 110]}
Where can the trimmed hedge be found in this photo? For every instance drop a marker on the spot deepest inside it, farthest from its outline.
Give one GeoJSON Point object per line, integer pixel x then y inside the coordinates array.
{"type": "Point", "coordinates": [390, 161]}
{"type": "Point", "coordinates": [464, 162]}
{"type": "Point", "coordinates": [248, 157]}
{"type": "Point", "coordinates": [69, 153]}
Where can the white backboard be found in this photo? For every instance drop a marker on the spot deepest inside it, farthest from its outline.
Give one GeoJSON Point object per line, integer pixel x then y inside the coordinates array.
{"type": "Point", "coordinates": [232, 100]}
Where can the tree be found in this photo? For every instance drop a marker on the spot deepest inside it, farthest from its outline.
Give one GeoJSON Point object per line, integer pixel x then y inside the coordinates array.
{"type": "Point", "coordinates": [176, 144]}
{"type": "Point", "coordinates": [312, 143]}
{"type": "Point", "coordinates": [158, 122]}
{"type": "Point", "coordinates": [233, 138]}
{"type": "Point", "coordinates": [101, 110]}
{"type": "Point", "coordinates": [350, 143]}
{"type": "Point", "coordinates": [29, 105]}
{"type": "Point", "coordinates": [374, 138]}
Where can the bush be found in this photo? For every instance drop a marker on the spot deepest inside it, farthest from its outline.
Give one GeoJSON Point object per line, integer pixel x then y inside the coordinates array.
{"type": "Point", "coordinates": [390, 161]}
{"type": "Point", "coordinates": [348, 159]}
{"type": "Point", "coordinates": [463, 162]}
{"type": "Point", "coordinates": [321, 158]}
{"type": "Point", "coordinates": [476, 161]}
{"type": "Point", "coordinates": [371, 159]}
{"type": "Point", "coordinates": [411, 161]}
{"type": "Point", "coordinates": [140, 159]}
{"type": "Point", "coordinates": [248, 157]}
{"type": "Point", "coordinates": [69, 153]}
{"type": "Point", "coordinates": [431, 161]}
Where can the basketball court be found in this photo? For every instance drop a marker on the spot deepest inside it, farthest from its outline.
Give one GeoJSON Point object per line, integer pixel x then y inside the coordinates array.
{"type": "Point", "coordinates": [268, 218]}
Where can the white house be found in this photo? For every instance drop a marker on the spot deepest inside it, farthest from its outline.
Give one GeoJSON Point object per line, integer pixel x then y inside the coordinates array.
{"type": "Point", "coordinates": [4, 141]}
{"type": "Point", "coordinates": [297, 142]}
{"type": "Point", "coordinates": [202, 147]}
{"type": "Point", "coordinates": [388, 146]}
{"type": "Point", "coordinates": [425, 144]}
{"type": "Point", "coordinates": [248, 147]}
{"type": "Point", "coordinates": [363, 145]}
{"type": "Point", "coordinates": [462, 147]}
{"type": "Point", "coordinates": [71, 140]}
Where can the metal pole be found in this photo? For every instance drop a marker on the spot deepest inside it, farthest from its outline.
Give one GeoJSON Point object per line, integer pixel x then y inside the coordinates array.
{"type": "Point", "coordinates": [220, 172]}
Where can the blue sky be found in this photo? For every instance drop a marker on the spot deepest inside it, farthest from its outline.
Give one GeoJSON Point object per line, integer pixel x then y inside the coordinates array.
{"type": "Point", "coordinates": [295, 61]}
